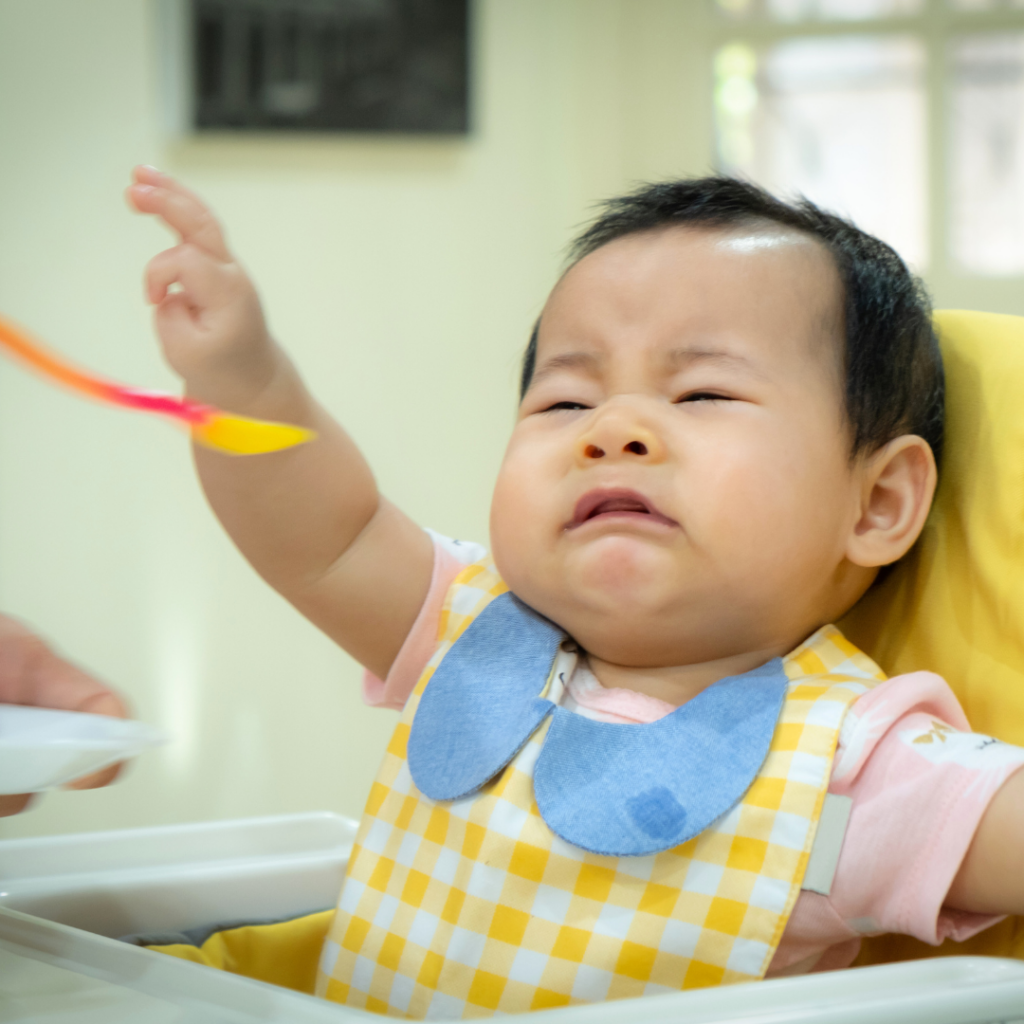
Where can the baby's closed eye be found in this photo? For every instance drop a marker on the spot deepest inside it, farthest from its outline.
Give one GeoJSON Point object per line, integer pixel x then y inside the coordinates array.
{"type": "Point", "coordinates": [704, 396]}
{"type": "Point", "coordinates": [566, 406]}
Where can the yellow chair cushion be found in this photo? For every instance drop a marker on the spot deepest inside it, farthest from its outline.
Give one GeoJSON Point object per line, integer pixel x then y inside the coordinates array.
{"type": "Point", "coordinates": [285, 953]}
{"type": "Point", "coordinates": [955, 604]}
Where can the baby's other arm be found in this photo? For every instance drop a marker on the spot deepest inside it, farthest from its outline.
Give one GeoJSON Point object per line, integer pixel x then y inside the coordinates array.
{"type": "Point", "coordinates": [991, 878]}
{"type": "Point", "coordinates": [309, 519]}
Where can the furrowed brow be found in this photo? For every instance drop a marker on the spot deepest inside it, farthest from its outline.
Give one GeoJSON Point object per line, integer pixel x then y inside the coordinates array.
{"type": "Point", "coordinates": [681, 358]}
{"type": "Point", "coordinates": [587, 362]}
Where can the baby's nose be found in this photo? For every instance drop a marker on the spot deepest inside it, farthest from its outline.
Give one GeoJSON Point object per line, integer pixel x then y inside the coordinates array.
{"type": "Point", "coordinates": [592, 451]}
{"type": "Point", "coordinates": [616, 436]}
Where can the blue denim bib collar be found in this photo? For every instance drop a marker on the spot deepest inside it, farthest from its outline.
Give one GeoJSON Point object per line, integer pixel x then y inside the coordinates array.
{"type": "Point", "coordinates": [615, 789]}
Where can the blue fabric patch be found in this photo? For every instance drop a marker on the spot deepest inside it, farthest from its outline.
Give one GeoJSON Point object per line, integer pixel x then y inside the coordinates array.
{"type": "Point", "coordinates": [481, 704]}
{"type": "Point", "coordinates": [619, 790]}
{"type": "Point", "coordinates": [638, 789]}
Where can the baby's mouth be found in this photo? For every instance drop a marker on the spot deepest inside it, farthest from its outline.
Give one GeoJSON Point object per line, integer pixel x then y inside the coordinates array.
{"type": "Point", "coordinates": [617, 503]}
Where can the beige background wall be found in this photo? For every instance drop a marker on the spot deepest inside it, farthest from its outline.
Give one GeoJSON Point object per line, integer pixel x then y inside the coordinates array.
{"type": "Point", "coordinates": [404, 275]}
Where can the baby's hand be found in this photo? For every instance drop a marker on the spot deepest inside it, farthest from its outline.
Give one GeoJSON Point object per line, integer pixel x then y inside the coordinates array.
{"type": "Point", "coordinates": [207, 315]}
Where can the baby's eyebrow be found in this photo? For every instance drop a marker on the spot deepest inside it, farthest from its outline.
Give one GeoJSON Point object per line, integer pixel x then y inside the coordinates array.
{"type": "Point", "coordinates": [588, 362]}
{"type": "Point", "coordinates": [679, 358]}
{"type": "Point", "coordinates": [592, 363]}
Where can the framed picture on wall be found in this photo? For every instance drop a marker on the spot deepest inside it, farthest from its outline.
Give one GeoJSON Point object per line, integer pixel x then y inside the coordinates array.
{"type": "Point", "coordinates": [389, 66]}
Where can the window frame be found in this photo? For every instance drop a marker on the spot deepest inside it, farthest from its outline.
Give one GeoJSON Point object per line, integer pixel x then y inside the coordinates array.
{"type": "Point", "coordinates": [937, 26]}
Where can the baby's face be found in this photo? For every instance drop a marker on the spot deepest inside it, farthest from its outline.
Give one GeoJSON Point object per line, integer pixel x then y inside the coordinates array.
{"type": "Point", "coordinates": [678, 487]}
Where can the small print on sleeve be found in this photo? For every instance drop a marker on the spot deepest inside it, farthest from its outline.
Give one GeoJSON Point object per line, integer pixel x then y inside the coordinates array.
{"type": "Point", "coordinates": [942, 744]}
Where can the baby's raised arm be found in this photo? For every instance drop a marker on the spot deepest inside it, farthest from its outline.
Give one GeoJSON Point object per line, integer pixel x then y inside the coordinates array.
{"type": "Point", "coordinates": [309, 519]}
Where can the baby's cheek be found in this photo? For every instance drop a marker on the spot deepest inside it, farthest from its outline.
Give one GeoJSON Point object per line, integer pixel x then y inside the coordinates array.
{"type": "Point", "coordinates": [512, 520]}
{"type": "Point", "coordinates": [786, 543]}
{"type": "Point", "coordinates": [761, 536]}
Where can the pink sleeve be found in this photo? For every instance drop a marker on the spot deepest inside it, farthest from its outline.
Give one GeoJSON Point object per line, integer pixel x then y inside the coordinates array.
{"type": "Point", "coordinates": [920, 783]}
{"type": "Point", "coordinates": [419, 645]}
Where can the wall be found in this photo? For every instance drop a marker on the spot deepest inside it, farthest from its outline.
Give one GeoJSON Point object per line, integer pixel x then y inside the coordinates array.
{"type": "Point", "coordinates": [403, 275]}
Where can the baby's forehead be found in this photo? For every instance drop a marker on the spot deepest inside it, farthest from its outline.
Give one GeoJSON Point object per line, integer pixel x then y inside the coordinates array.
{"type": "Point", "coordinates": [698, 279]}
{"type": "Point", "coordinates": [792, 251]}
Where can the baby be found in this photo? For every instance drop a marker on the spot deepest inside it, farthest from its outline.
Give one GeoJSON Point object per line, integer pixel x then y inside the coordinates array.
{"type": "Point", "coordinates": [634, 755]}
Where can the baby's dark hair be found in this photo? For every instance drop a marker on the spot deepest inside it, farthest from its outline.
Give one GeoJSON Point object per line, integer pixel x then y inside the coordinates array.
{"type": "Point", "coordinates": [894, 378]}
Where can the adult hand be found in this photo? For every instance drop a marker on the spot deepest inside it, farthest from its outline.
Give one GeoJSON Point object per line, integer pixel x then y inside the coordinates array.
{"type": "Point", "coordinates": [32, 674]}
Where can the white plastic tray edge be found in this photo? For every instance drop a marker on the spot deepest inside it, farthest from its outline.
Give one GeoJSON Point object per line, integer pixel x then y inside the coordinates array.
{"type": "Point", "coordinates": [55, 885]}
{"type": "Point", "coordinates": [176, 981]}
{"type": "Point", "coordinates": [947, 990]}
{"type": "Point", "coordinates": [961, 990]}
{"type": "Point", "coordinates": [956, 990]}
{"type": "Point", "coordinates": [121, 847]}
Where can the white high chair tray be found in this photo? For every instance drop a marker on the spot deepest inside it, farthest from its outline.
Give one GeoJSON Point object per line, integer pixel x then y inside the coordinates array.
{"type": "Point", "coordinates": [63, 896]}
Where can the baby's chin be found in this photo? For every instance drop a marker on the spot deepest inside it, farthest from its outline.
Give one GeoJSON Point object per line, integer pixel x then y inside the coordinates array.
{"type": "Point", "coordinates": [624, 566]}
{"type": "Point", "coordinates": [618, 592]}
{"type": "Point", "coordinates": [649, 606]}
{"type": "Point", "coordinates": [612, 570]}
{"type": "Point", "coordinates": [633, 637]}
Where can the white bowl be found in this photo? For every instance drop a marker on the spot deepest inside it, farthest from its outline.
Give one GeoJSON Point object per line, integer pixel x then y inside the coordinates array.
{"type": "Point", "coordinates": [41, 748]}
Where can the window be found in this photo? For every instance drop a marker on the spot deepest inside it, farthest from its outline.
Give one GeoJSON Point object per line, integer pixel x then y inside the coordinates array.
{"type": "Point", "coordinates": [906, 115]}
{"type": "Point", "coordinates": [986, 152]}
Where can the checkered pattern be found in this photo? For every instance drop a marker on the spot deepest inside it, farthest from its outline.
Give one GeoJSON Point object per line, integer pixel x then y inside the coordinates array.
{"type": "Point", "coordinates": [475, 907]}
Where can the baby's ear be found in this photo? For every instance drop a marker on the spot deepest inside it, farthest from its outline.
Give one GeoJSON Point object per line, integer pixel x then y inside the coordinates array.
{"type": "Point", "coordinates": [897, 485]}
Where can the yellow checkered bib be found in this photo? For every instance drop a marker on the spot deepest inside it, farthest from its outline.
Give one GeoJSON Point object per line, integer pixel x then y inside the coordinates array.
{"type": "Point", "coordinates": [475, 907]}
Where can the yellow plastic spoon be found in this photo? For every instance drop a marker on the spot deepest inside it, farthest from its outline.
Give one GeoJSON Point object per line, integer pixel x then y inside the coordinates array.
{"type": "Point", "coordinates": [237, 435]}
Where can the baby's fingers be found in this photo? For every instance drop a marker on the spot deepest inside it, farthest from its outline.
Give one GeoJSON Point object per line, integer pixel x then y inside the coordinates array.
{"type": "Point", "coordinates": [181, 210]}
{"type": "Point", "coordinates": [200, 278]}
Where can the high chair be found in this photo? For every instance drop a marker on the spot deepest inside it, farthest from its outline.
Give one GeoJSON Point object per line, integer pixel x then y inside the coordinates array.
{"type": "Point", "coordinates": [953, 606]}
